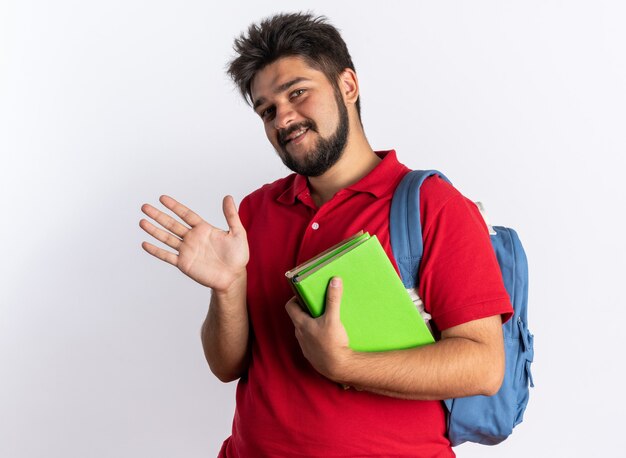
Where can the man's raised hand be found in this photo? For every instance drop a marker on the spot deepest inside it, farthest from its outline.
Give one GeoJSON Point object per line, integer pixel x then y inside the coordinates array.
{"type": "Point", "coordinates": [210, 256]}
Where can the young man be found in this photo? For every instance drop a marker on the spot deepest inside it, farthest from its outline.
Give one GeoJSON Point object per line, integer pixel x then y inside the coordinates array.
{"type": "Point", "coordinates": [296, 72]}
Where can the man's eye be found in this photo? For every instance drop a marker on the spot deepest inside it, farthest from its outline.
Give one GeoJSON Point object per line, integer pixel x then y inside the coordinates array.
{"type": "Point", "coordinates": [297, 92]}
{"type": "Point", "coordinates": [267, 112]}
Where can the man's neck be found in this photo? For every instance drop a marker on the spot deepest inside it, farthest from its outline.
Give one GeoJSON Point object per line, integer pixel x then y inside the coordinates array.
{"type": "Point", "coordinates": [357, 160]}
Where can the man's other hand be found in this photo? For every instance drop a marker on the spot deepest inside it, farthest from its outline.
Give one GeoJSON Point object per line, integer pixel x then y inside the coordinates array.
{"type": "Point", "coordinates": [210, 256]}
{"type": "Point", "coordinates": [323, 340]}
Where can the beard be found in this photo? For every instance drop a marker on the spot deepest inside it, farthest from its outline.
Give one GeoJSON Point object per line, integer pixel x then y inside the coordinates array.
{"type": "Point", "coordinates": [326, 152]}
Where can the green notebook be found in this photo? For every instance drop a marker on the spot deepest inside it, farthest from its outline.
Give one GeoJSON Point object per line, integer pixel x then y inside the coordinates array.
{"type": "Point", "coordinates": [376, 309]}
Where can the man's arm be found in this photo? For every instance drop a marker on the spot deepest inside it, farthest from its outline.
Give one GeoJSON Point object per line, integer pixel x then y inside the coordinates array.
{"type": "Point", "coordinates": [216, 259]}
{"type": "Point", "coordinates": [225, 333]}
{"type": "Point", "coordinates": [468, 360]}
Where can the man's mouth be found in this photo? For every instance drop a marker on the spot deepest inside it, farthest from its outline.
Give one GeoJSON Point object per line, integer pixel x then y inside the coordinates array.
{"type": "Point", "coordinates": [295, 134]}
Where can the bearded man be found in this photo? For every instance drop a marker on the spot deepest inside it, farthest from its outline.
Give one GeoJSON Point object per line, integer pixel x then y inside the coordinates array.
{"type": "Point", "coordinates": [292, 369]}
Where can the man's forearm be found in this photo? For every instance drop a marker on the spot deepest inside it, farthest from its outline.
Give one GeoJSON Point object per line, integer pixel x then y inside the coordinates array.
{"type": "Point", "coordinates": [225, 332]}
{"type": "Point", "coordinates": [455, 366]}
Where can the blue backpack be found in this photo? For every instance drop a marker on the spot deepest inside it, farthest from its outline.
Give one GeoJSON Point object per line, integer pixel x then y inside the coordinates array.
{"type": "Point", "coordinates": [484, 419]}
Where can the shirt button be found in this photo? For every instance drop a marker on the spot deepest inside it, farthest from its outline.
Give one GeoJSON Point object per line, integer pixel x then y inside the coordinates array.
{"type": "Point", "coordinates": [315, 226]}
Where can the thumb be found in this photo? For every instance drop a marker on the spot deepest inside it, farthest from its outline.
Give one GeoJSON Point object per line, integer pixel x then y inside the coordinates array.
{"type": "Point", "coordinates": [232, 216]}
{"type": "Point", "coordinates": [333, 298]}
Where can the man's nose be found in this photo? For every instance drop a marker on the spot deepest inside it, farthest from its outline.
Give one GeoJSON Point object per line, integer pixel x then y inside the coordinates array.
{"type": "Point", "coordinates": [284, 116]}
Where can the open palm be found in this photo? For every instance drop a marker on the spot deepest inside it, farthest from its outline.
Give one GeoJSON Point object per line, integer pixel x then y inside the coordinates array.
{"type": "Point", "coordinates": [210, 256]}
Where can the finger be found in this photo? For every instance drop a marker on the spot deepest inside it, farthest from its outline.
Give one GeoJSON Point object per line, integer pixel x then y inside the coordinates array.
{"type": "Point", "coordinates": [160, 253]}
{"type": "Point", "coordinates": [333, 298]}
{"type": "Point", "coordinates": [181, 211]}
{"type": "Point", "coordinates": [295, 312]}
{"type": "Point", "coordinates": [232, 216]}
{"type": "Point", "coordinates": [165, 220]}
{"type": "Point", "coordinates": [160, 234]}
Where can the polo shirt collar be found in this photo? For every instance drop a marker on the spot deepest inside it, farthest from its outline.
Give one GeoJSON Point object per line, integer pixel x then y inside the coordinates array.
{"type": "Point", "coordinates": [298, 188]}
{"type": "Point", "coordinates": [378, 182]}
{"type": "Point", "coordinates": [383, 177]}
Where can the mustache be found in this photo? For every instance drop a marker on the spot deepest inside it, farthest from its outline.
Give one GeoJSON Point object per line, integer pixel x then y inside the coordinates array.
{"type": "Point", "coordinates": [284, 133]}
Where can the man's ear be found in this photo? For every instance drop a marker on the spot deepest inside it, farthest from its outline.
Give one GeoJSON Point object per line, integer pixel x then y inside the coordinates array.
{"type": "Point", "coordinates": [349, 86]}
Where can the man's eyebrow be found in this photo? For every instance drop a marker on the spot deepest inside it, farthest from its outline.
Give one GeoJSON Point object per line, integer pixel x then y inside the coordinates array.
{"type": "Point", "coordinates": [283, 87]}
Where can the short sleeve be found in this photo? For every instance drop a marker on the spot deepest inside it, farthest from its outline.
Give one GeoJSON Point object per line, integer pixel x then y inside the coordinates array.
{"type": "Point", "coordinates": [459, 277]}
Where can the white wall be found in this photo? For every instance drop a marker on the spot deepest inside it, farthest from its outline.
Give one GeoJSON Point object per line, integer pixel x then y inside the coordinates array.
{"type": "Point", "coordinates": [107, 105]}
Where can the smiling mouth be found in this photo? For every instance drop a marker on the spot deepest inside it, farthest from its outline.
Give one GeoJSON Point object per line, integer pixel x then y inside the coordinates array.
{"type": "Point", "coordinates": [294, 134]}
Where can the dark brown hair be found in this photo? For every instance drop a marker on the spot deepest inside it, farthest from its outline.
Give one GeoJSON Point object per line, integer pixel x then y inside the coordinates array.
{"type": "Point", "coordinates": [290, 34]}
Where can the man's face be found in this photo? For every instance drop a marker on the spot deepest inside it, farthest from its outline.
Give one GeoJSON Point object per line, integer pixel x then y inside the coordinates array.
{"type": "Point", "coordinates": [304, 115]}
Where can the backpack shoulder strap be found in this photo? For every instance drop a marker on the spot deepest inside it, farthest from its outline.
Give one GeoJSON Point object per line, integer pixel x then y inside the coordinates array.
{"type": "Point", "coordinates": [405, 227]}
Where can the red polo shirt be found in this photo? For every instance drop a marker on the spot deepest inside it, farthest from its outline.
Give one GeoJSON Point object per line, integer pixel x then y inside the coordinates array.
{"type": "Point", "coordinates": [284, 407]}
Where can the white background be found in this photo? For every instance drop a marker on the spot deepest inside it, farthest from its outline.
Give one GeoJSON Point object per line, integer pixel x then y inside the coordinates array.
{"type": "Point", "coordinates": [107, 105]}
